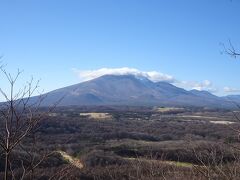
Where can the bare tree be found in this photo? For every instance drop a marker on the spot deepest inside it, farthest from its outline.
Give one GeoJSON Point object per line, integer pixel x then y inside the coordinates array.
{"type": "Point", "coordinates": [20, 116]}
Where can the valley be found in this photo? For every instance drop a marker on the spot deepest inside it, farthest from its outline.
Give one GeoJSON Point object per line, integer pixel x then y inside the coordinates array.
{"type": "Point", "coordinates": [135, 142]}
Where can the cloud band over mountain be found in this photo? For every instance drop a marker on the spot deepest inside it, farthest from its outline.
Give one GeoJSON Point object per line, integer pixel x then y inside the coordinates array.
{"type": "Point", "coordinates": [151, 75]}
{"type": "Point", "coordinates": [155, 76]}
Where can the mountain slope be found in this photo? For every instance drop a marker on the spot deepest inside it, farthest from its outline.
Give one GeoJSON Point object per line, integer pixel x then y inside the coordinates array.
{"type": "Point", "coordinates": [235, 99]}
{"type": "Point", "coordinates": [129, 90]}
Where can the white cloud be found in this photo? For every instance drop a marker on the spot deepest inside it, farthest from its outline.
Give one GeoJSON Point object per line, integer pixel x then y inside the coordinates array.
{"type": "Point", "coordinates": [231, 90]}
{"type": "Point", "coordinates": [154, 76]}
{"type": "Point", "coordinates": [206, 85]}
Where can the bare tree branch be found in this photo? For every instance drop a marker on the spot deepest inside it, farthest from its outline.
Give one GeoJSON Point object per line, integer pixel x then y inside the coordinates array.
{"type": "Point", "coordinates": [19, 118]}
{"type": "Point", "coordinates": [230, 50]}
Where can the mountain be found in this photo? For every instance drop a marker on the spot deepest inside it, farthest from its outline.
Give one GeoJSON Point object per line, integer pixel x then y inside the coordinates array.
{"type": "Point", "coordinates": [233, 98]}
{"type": "Point", "coordinates": [131, 90]}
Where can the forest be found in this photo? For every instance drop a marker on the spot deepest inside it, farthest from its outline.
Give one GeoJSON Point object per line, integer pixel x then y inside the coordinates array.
{"type": "Point", "coordinates": [129, 143]}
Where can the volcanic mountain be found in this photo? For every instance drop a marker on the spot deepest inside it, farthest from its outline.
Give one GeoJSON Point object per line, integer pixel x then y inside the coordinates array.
{"type": "Point", "coordinates": [133, 91]}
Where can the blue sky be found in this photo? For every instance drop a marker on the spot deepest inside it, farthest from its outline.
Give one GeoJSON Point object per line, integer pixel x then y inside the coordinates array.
{"type": "Point", "coordinates": [59, 40]}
